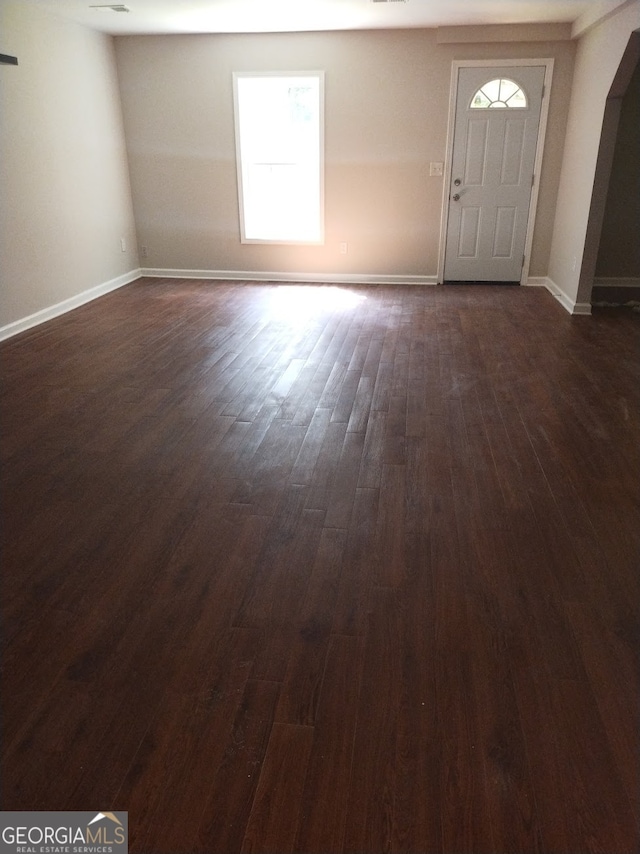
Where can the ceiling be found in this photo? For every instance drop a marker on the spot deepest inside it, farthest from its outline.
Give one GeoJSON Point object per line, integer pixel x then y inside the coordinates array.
{"type": "Point", "coordinates": [244, 16]}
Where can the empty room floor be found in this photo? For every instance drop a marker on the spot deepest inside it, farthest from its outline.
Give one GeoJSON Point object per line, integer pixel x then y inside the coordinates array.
{"type": "Point", "coordinates": [295, 568]}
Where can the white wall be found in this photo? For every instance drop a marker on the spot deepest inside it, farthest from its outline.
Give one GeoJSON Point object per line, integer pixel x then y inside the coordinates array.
{"type": "Point", "coordinates": [64, 184]}
{"type": "Point", "coordinates": [600, 50]}
{"type": "Point", "coordinates": [387, 97]}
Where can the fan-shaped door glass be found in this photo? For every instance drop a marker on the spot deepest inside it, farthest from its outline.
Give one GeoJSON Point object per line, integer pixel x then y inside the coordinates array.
{"type": "Point", "coordinates": [500, 93]}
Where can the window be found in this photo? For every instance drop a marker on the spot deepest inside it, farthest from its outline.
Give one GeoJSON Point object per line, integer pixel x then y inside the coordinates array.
{"type": "Point", "coordinates": [499, 93]}
{"type": "Point", "coordinates": [279, 145]}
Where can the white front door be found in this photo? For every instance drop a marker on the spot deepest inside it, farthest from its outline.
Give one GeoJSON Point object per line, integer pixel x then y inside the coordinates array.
{"type": "Point", "coordinates": [494, 149]}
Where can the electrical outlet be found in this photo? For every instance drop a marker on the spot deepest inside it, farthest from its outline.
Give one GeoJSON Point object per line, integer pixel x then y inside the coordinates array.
{"type": "Point", "coordinates": [343, 248]}
{"type": "Point", "coordinates": [123, 244]}
{"type": "Point", "coordinates": [436, 169]}
{"type": "Point", "coordinates": [144, 252]}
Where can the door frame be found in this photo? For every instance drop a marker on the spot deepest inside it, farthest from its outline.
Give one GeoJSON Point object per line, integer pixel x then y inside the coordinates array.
{"type": "Point", "coordinates": [456, 65]}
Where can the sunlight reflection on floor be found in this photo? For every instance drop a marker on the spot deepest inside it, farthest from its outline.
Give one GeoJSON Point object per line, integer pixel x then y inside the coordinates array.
{"type": "Point", "coordinates": [293, 302]}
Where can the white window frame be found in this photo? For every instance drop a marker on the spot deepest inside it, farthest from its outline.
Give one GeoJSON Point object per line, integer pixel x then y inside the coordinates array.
{"type": "Point", "coordinates": [319, 75]}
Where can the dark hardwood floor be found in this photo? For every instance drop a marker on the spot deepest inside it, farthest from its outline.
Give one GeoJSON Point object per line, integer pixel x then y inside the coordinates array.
{"type": "Point", "coordinates": [323, 569]}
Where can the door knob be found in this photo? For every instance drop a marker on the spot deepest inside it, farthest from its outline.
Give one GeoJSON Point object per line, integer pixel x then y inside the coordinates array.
{"type": "Point", "coordinates": [456, 197]}
{"type": "Point", "coordinates": [457, 182]}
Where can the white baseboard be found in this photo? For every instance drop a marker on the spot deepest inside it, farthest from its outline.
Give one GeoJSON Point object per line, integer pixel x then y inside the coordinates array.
{"type": "Point", "coordinates": [564, 299]}
{"type": "Point", "coordinates": [67, 305]}
{"type": "Point", "coordinates": [252, 276]}
{"type": "Point", "coordinates": [260, 276]}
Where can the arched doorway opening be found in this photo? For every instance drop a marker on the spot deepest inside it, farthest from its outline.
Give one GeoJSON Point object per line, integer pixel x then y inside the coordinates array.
{"type": "Point", "coordinates": [604, 202]}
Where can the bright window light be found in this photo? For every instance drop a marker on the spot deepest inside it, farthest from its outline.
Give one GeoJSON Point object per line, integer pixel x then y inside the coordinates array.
{"type": "Point", "coordinates": [279, 146]}
{"type": "Point", "coordinates": [499, 93]}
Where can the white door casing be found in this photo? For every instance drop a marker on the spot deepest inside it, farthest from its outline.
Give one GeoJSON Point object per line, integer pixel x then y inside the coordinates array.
{"type": "Point", "coordinates": [493, 156]}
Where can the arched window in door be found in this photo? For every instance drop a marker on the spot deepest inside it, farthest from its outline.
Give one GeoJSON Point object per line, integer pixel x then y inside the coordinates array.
{"type": "Point", "coordinates": [499, 93]}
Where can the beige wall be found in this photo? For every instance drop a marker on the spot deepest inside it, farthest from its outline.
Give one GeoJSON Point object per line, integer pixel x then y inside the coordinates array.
{"type": "Point", "coordinates": [572, 259]}
{"type": "Point", "coordinates": [64, 187]}
{"type": "Point", "coordinates": [387, 96]}
{"type": "Point", "coordinates": [619, 250]}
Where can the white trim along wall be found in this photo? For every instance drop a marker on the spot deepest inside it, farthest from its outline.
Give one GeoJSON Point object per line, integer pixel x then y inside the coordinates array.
{"type": "Point", "coordinates": [38, 317]}
{"type": "Point", "coordinates": [49, 313]}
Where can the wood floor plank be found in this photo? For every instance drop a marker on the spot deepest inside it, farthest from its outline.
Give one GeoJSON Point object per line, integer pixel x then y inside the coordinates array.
{"type": "Point", "coordinates": [500, 743]}
{"type": "Point", "coordinates": [325, 797]}
{"type": "Point", "coordinates": [288, 553]}
{"type": "Point", "coordinates": [184, 743]}
{"type": "Point", "coordinates": [305, 464]}
{"type": "Point", "coordinates": [369, 818]}
{"type": "Point", "coordinates": [465, 816]}
{"type": "Point", "coordinates": [357, 576]}
{"type": "Point", "coordinates": [343, 487]}
{"type": "Point", "coordinates": [232, 792]}
{"type": "Point", "coordinates": [345, 401]}
{"type": "Point", "coordinates": [389, 559]}
{"type": "Point", "coordinates": [326, 465]}
{"type": "Point", "coordinates": [417, 804]}
{"type": "Point", "coordinates": [309, 645]}
{"type": "Point", "coordinates": [372, 453]}
{"type": "Point", "coordinates": [361, 406]}
{"type": "Point", "coordinates": [275, 814]}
